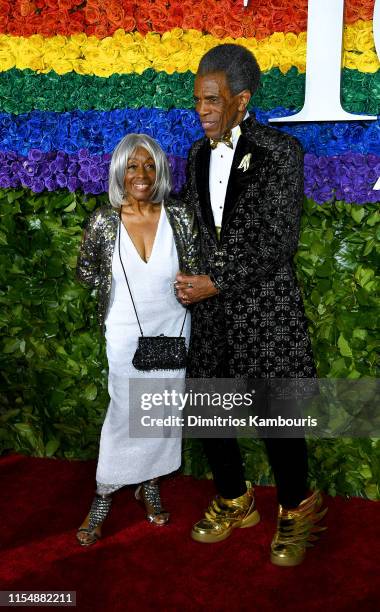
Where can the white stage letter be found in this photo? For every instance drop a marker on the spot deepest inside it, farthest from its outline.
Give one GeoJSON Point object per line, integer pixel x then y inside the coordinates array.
{"type": "Point", "coordinates": [323, 64]}
{"type": "Point", "coordinates": [376, 26]}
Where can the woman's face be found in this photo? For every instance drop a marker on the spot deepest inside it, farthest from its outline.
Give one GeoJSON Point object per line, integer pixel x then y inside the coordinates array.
{"type": "Point", "coordinates": [140, 176]}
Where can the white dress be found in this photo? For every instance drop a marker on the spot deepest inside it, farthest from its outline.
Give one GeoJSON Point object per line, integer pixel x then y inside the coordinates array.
{"type": "Point", "coordinates": [124, 460]}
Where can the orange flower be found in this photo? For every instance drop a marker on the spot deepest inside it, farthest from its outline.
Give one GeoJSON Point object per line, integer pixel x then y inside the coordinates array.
{"type": "Point", "coordinates": [65, 5]}
{"type": "Point", "coordinates": [262, 21]}
{"type": "Point", "coordinates": [129, 23]}
{"type": "Point", "coordinates": [175, 18]}
{"type": "Point", "coordinates": [142, 24]}
{"type": "Point", "coordinates": [27, 8]}
{"type": "Point", "coordinates": [234, 28]}
{"type": "Point", "coordinates": [263, 31]}
{"type": "Point", "coordinates": [115, 14]}
{"type": "Point", "coordinates": [358, 9]}
{"type": "Point", "coordinates": [279, 20]}
{"type": "Point", "coordinates": [92, 13]}
{"type": "Point", "coordinates": [76, 22]}
{"type": "Point", "coordinates": [193, 21]}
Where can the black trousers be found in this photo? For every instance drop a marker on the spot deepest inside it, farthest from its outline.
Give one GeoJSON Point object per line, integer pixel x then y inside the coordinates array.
{"type": "Point", "coordinates": [287, 458]}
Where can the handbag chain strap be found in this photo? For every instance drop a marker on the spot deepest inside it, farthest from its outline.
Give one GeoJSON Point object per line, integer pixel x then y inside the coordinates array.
{"type": "Point", "coordinates": [130, 292]}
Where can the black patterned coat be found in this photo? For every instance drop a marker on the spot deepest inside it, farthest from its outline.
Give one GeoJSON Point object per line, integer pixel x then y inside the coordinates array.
{"type": "Point", "coordinates": [256, 326]}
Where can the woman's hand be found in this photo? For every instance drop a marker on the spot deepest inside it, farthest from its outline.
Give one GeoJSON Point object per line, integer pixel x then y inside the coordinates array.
{"type": "Point", "coordinates": [194, 288]}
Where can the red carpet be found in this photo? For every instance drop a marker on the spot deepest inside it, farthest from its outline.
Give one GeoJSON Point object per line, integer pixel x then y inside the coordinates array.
{"type": "Point", "coordinates": [137, 566]}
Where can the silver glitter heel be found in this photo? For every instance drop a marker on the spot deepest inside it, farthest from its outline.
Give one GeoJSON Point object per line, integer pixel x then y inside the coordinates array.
{"type": "Point", "coordinates": [149, 494]}
{"type": "Point", "coordinates": [98, 513]}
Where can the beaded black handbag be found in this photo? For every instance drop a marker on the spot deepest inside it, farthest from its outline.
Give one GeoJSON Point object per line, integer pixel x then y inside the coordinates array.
{"type": "Point", "coordinates": [157, 352]}
{"type": "Point", "coordinates": [160, 353]}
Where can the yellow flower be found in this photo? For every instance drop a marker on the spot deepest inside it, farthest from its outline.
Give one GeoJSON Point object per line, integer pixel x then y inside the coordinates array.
{"type": "Point", "coordinates": [365, 41]}
{"type": "Point", "coordinates": [300, 63]}
{"type": "Point", "coordinates": [28, 56]}
{"type": "Point", "coordinates": [103, 69]}
{"type": "Point", "coordinates": [139, 67]}
{"type": "Point", "coordinates": [250, 43]}
{"type": "Point", "coordinates": [265, 59]}
{"type": "Point", "coordinates": [194, 34]}
{"type": "Point", "coordinates": [175, 33]}
{"type": "Point", "coordinates": [119, 35]}
{"type": "Point", "coordinates": [276, 40]}
{"type": "Point", "coordinates": [349, 38]}
{"type": "Point", "coordinates": [182, 63]}
{"type": "Point", "coordinates": [285, 65]}
{"type": "Point", "coordinates": [72, 50]}
{"type": "Point", "coordinates": [61, 66]}
{"type": "Point", "coordinates": [368, 62]}
{"type": "Point", "coordinates": [122, 67]}
{"type": "Point", "coordinates": [7, 59]}
{"type": "Point", "coordinates": [302, 38]}
{"type": "Point", "coordinates": [36, 41]}
{"type": "Point", "coordinates": [81, 66]}
{"type": "Point", "coordinates": [169, 68]}
{"type": "Point", "coordinates": [56, 42]}
{"type": "Point", "coordinates": [291, 41]}
{"type": "Point", "coordinates": [176, 50]}
{"type": "Point", "coordinates": [80, 38]}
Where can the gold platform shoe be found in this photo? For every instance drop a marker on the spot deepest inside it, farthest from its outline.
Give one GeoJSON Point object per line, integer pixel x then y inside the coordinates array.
{"type": "Point", "coordinates": [224, 515]}
{"type": "Point", "coordinates": [296, 530]}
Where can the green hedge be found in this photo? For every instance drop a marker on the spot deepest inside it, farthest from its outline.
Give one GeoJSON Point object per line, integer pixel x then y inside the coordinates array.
{"type": "Point", "coordinates": [54, 377]}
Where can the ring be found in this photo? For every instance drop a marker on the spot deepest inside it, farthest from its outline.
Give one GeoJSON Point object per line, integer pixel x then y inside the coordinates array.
{"type": "Point", "coordinates": [190, 285]}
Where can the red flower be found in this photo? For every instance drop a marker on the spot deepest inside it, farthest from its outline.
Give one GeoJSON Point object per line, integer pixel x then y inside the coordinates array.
{"type": "Point", "coordinates": [5, 9]}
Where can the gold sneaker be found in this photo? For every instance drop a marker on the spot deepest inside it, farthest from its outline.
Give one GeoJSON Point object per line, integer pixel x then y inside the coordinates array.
{"type": "Point", "coordinates": [296, 530]}
{"type": "Point", "coordinates": [223, 515]}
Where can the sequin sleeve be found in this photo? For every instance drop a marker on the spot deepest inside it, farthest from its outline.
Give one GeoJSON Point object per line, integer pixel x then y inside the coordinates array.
{"type": "Point", "coordinates": [88, 265]}
{"type": "Point", "coordinates": [186, 235]}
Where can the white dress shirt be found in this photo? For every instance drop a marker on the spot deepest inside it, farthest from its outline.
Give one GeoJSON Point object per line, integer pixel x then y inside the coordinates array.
{"type": "Point", "coordinates": [220, 168]}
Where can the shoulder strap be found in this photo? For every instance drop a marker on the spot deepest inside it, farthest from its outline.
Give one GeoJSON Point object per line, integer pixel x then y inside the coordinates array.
{"type": "Point", "coordinates": [129, 289]}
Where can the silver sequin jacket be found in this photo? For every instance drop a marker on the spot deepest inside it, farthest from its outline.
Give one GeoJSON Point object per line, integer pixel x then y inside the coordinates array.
{"type": "Point", "coordinates": [94, 267]}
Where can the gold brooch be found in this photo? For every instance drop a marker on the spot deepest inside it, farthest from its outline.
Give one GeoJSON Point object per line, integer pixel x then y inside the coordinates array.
{"type": "Point", "coordinates": [244, 164]}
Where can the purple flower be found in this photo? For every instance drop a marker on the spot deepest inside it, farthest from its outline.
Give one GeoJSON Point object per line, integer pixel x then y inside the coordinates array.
{"type": "Point", "coordinates": [73, 183]}
{"type": "Point", "coordinates": [35, 154]}
{"type": "Point", "coordinates": [61, 180]}
{"type": "Point", "coordinates": [50, 184]}
{"type": "Point", "coordinates": [83, 175]}
{"type": "Point", "coordinates": [37, 185]}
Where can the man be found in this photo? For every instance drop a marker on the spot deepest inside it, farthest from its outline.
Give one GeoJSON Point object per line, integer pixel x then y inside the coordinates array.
{"type": "Point", "coordinates": [245, 182]}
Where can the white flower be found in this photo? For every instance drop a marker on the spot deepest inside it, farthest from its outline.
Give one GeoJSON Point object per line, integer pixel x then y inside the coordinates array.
{"type": "Point", "coordinates": [244, 164]}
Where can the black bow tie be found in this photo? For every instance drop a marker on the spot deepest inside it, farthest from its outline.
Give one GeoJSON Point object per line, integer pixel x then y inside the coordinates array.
{"type": "Point", "coordinates": [226, 139]}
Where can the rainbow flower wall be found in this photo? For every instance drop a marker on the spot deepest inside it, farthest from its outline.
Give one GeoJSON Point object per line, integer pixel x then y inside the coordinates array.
{"type": "Point", "coordinates": [120, 67]}
{"type": "Point", "coordinates": [75, 78]}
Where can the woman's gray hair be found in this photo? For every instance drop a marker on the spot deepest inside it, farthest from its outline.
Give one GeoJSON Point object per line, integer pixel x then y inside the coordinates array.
{"type": "Point", "coordinates": [123, 151]}
{"type": "Point", "coordinates": [238, 64]}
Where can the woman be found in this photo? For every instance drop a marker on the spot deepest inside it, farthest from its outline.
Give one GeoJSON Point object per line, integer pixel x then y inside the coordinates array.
{"type": "Point", "coordinates": [151, 237]}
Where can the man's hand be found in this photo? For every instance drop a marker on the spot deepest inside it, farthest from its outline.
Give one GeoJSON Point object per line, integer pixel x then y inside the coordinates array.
{"type": "Point", "coordinates": [194, 288]}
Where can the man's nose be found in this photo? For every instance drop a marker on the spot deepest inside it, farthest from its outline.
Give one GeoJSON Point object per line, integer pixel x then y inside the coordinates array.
{"type": "Point", "coordinates": [202, 108]}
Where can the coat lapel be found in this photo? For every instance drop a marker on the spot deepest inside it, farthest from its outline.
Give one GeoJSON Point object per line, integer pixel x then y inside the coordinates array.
{"type": "Point", "coordinates": [202, 169]}
{"type": "Point", "coordinates": [234, 186]}
{"type": "Point", "coordinates": [240, 179]}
